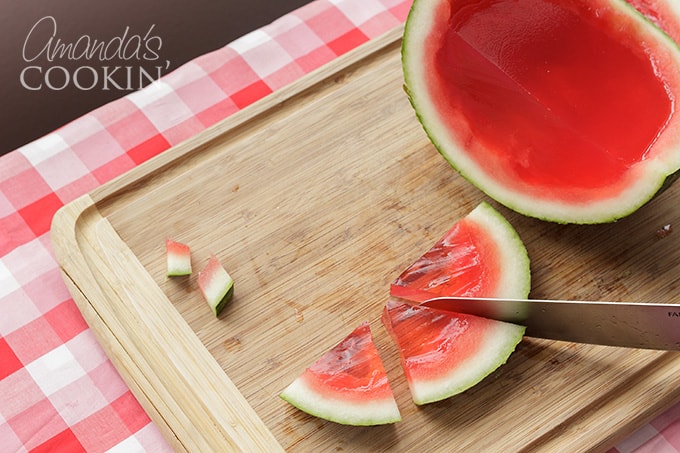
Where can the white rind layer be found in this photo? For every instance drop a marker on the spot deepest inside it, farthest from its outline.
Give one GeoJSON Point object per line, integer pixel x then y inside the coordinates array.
{"type": "Point", "coordinates": [178, 264]}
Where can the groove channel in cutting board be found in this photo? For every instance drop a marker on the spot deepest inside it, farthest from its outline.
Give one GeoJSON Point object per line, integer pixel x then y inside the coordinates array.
{"type": "Point", "coordinates": [317, 202]}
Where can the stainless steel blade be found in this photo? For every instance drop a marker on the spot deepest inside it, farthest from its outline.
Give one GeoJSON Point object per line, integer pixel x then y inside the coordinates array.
{"type": "Point", "coordinates": [626, 324]}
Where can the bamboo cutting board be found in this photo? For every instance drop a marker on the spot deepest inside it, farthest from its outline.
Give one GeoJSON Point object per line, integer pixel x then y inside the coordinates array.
{"type": "Point", "coordinates": [315, 199]}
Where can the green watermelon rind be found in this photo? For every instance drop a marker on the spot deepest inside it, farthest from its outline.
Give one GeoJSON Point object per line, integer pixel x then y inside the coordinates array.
{"type": "Point", "coordinates": [355, 413]}
{"type": "Point", "coordinates": [659, 174]}
{"type": "Point", "coordinates": [502, 342]}
{"type": "Point", "coordinates": [224, 300]}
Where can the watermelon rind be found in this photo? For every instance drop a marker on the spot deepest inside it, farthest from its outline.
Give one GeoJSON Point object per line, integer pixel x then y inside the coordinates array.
{"type": "Point", "coordinates": [344, 412]}
{"type": "Point", "coordinates": [644, 180]}
{"type": "Point", "coordinates": [224, 300]}
{"type": "Point", "coordinates": [177, 267]}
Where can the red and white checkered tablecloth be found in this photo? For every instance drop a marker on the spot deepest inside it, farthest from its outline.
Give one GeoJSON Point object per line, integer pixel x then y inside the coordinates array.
{"type": "Point", "coordinates": [58, 390]}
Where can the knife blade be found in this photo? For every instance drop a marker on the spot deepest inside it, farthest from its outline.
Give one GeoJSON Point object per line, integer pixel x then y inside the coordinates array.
{"type": "Point", "coordinates": [625, 324]}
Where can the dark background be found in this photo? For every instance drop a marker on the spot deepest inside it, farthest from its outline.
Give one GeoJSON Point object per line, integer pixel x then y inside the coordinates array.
{"type": "Point", "coordinates": [187, 29]}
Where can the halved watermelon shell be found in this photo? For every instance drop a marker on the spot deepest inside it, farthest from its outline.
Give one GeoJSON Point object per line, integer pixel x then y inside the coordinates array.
{"type": "Point", "coordinates": [215, 284]}
{"type": "Point", "coordinates": [178, 258]}
{"type": "Point", "coordinates": [563, 111]}
{"type": "Point", "coordinates": [480, 256]}
{"type": "Point", "coordinates": [348, 385]}
{"type": "Point", "coordinates": [445, 353]}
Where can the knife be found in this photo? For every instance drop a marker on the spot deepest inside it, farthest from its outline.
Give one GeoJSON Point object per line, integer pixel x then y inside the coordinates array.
{"type": "Point", "coordinates": [625, 324]}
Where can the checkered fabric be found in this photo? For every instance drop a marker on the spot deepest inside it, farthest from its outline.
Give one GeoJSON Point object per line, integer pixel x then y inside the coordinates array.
{"type": "Point", "coordinates": [58, 391]}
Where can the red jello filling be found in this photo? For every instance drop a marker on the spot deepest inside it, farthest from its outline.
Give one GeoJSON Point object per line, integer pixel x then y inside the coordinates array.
{"type": "Point", "coordinates": [560, 94]}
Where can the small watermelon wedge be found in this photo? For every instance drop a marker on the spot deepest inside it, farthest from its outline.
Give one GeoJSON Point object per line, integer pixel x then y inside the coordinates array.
{"type": "Point", "coordinates": [215, 284]}
{"type": "Point", "coordinates": [347, 385]}
{"type": "Point", "coordinates": [178, 258]}
{"type": "Point", "coordinates": [480, 256]}
{"type": "Point", "coordinates": [445, 353]}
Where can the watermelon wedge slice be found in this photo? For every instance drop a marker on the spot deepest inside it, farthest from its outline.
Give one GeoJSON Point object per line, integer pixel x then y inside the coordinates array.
{"type": "Point", "coordinates": [178, 258]}
{"type": "Point", "coordinates": [216, 285]}
{"type": "Point", "coordinates": [480, 256]}
{"type": "Point", "coordinates": [444, 353]}
{"type": "Point", "coordinates": [565, 111]}
{"type": "Point", "coordinates": [348, 385]}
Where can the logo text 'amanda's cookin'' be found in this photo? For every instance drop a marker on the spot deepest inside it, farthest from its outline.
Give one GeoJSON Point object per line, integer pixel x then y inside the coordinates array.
{"type": "Point", "coordinates": [125, 62]}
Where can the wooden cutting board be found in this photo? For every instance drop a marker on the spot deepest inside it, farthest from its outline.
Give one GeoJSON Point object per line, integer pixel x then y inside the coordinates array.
{"type": "Point", "coordinates": [315, 199]}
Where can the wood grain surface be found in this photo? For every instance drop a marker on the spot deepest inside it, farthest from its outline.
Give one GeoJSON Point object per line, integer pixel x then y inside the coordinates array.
{"type": "Point", "coordinates": [314, 200]}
